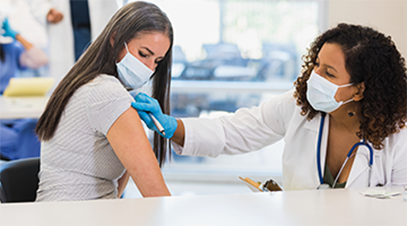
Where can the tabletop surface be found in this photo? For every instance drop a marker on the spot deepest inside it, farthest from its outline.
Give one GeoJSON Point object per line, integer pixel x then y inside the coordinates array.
{"type": "Point", "coordinates": [22, 107]}
{"type": "Point", "coordinates": [324, 207]}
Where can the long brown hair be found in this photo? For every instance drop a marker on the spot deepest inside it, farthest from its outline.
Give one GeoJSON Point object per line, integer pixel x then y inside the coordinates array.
{"type": "Point", "coordinates": [100, 58]}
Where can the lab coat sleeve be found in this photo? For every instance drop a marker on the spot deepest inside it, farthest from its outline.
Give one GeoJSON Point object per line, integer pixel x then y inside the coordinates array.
{"type": "Point", "coordinates": [244, 131]}
{"type": "Point", "coordinates": [33, 58]}
{"type": "Point", "coordinates": [399, 166]}
{"type": "Point", "coordinates": [40, 8]}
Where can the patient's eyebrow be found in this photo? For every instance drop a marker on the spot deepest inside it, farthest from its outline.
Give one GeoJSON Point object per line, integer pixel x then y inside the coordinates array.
{"type": "Point", "coordinates": [149, 50]}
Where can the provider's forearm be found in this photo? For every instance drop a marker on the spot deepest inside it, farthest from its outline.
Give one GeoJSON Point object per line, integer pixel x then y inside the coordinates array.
{"type": "Point", "coordinates": [27, 45]}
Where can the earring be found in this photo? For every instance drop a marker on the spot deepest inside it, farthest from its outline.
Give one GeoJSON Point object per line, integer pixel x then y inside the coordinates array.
{"type": "Point", "coordinates": [350, 113]}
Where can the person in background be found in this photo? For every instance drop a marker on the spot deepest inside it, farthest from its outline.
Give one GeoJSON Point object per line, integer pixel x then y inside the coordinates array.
{"type": "Point", "coordinates": [16, 54]}
{"type": "Point", "coordinates": [92, 139]}
{"type": "Point", "coordinates": [21, 20]}
{"type": "Point", "coordinates": [344, 124]}
{"type": "Point", "coordinates": [72, 25]}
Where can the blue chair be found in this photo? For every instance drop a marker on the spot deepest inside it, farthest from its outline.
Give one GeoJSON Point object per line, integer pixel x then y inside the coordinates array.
{"type": "Point", "coordinates": [19, 180]}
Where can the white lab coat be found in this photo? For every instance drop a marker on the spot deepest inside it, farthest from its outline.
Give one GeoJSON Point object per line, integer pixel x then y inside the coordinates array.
{"type": "Point", "coordinates": [252, 129]}
{"type": "Point", "coordinates": [61, 44]}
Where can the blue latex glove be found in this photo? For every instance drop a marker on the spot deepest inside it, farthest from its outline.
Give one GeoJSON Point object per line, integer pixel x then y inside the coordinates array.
{"type": "Point", "coordinates": [8, 31]}
{"type": "Point", "coordinates": [144, 105]}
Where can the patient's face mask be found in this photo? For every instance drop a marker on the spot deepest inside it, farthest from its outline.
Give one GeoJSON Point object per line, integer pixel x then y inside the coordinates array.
{"type": "Point", "coordinates": [321, 93]}
{"type": "Point", "coordinates": [132, 72]}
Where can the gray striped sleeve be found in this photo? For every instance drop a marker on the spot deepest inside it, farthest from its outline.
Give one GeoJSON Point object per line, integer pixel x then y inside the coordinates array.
{"type": "Point", "coordinates": [105, 104]}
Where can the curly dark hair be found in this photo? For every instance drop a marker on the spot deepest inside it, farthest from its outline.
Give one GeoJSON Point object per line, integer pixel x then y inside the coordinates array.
{"type": "Point", "coordinates": [372, 58]}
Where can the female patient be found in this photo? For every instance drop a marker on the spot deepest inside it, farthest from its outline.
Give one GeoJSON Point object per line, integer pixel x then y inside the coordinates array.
{"type": "Point", "coordinates": [92, 140]}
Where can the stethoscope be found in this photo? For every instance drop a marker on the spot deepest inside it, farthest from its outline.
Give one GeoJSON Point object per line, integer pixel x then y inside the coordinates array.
{"type": "Point", "coordinates": [321, 180]}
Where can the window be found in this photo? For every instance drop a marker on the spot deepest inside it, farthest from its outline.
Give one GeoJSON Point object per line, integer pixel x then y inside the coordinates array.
{"type": "Point", "coordinates": [230, 54]}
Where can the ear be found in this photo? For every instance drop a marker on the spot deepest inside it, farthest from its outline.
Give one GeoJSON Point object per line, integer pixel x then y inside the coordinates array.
{"type": "Point", "coordinates": [358, 96]}
{"type": "Point", "coordinates": [112, 38]}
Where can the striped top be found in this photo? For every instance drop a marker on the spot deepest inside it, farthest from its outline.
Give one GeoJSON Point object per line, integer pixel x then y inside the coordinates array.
{"type": "Point", "coordinates": [78, 163]}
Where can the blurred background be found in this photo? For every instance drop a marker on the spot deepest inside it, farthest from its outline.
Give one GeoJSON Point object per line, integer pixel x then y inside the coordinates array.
{"type": "Point", "coordinates": [230, 54]}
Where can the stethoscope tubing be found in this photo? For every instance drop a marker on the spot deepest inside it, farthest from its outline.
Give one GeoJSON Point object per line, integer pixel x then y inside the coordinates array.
{"type": "Point", "coordinates": [367, 145]}
{"type": "Point", "coordinates": [321, 129]}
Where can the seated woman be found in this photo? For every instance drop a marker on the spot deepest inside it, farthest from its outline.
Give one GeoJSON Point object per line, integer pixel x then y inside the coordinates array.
{"type": "Point", "coordinates": [92, 139]}
{"type": "Point", "coordinates": [17, 54]}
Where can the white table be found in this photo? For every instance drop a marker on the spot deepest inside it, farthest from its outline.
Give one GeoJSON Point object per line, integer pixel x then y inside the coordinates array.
{"type": "Point", "coordinates": [326, 207]}
{"type": "Point", "coordinates": [22, 107]}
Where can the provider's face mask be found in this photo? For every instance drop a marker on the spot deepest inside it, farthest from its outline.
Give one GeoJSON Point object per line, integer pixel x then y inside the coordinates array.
{"type": "Point", "coordinates": [132, 72]}
{"type": "Point", "coordinates": [321, 93]}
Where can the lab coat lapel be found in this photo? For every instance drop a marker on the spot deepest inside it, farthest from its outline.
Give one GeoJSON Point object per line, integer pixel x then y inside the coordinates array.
{"type": "Point", "coordinates": [314, 125]}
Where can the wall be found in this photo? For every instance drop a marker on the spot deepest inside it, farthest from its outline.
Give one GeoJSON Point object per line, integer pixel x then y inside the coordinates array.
{"type": "Point", "coordinates": [387, 16]}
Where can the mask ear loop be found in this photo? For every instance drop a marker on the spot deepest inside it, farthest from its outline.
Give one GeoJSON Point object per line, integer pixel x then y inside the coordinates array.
{"type": "Point", "coordinates": [342, 86]}
{"type": "Point", "coordinates": [125, 45]}
{"type": "Point", "coordinates": [127, 49]}
{"type": "Point", "coordinates": [351, 99]}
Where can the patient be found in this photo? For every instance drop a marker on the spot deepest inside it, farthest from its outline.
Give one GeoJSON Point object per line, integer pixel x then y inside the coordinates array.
{"type": "Point", "coordinates": [92, 139]}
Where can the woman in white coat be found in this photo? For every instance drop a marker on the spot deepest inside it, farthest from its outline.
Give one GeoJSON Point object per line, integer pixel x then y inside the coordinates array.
{"type": "Point", "coordinates": [343, 125]}
{"type": "Point", "coordinates": [58, 15]}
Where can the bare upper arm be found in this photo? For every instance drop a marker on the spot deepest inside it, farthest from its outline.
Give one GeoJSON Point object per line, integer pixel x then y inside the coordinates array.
{"type": "Point", "coordinates": [128, 138]}
{"type": "Point", "coordinates": [129, 141]}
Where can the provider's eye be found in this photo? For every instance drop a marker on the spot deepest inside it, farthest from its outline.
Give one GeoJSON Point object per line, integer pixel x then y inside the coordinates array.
{"type": "Point", "coordinates": [329, 75]}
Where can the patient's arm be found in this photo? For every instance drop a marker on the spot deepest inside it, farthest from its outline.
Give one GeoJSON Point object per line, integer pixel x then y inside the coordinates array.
{"type": "Point", "coordinates": [122, 183]}
{"type": "Point", "coordinates": [129, 141]}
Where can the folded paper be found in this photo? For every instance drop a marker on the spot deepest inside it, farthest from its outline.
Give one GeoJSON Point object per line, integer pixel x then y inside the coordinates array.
{"type": "Point", "coordinates": [37, 86]}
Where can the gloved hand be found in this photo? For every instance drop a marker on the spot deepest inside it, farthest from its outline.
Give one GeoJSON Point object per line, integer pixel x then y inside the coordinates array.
{"type": "Point", "coordinates": [144, 105]}
{"type": "Point", "coordinates": [8, 31]}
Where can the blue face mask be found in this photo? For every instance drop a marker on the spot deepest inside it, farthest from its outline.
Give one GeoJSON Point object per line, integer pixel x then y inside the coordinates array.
{"type": "Point", "coordinates": [132, 72]}
{"type": "Point", "coordinates": [321, 93]}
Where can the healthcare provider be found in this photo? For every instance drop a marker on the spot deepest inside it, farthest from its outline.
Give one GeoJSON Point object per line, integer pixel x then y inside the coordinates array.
{"type": "Point", "coordinates": [343, 125]}
{"type": "Point", "coordinates": [92, 140]}
{"type": "Point", "coordinates": [60, 29]}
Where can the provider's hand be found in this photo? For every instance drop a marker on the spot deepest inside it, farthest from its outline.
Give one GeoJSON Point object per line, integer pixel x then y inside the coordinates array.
{"type": "Point", "coordinates": [8, 31]}
{"type": "Point", "coordinates": [54, 16]}
{"type": "Point", "coordinates": [144, 105]}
